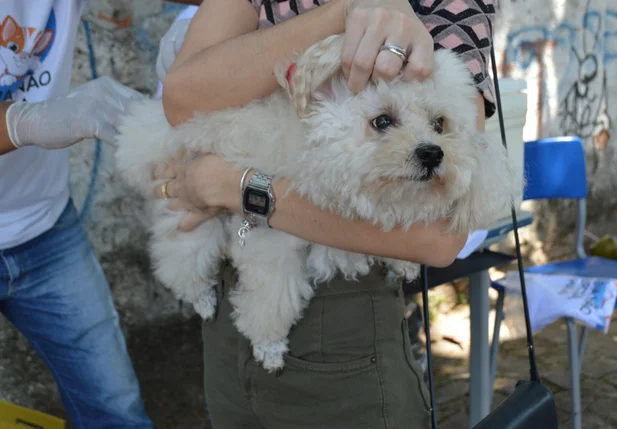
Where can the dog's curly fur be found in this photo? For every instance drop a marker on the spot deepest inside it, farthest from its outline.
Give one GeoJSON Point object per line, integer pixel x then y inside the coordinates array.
{"type": "Point", "coordinates": [324, 138]}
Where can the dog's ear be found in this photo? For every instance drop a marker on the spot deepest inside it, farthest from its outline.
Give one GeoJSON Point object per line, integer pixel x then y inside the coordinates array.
{"type": "Point", "coordinates": [309, 75]}
{"type": "Point", "coordinates": [492, 189]}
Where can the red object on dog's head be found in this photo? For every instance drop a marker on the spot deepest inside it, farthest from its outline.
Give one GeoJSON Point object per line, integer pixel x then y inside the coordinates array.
{"type": "Point", "coordinates": [290, 70]}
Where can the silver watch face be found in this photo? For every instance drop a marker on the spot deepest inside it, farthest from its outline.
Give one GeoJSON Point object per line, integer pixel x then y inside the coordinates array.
{"type": "Point", "coordinates": [256, 201]}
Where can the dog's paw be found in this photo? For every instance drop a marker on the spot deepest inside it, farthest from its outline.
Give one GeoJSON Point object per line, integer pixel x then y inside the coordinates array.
{"type": "Point", "coordinates": [205, 305]}
{"type": "Point", "coordinates": [407, 270]}
{"type": "Point", "coordinates": [270, 355]}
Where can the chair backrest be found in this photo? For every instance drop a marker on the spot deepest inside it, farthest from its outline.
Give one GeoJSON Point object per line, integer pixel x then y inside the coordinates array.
{"type": "Point", "coordinates": [555, 168]}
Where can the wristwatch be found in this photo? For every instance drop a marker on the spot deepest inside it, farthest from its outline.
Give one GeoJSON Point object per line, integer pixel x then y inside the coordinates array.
{"type": "Point", "coordinates": [258, 200]}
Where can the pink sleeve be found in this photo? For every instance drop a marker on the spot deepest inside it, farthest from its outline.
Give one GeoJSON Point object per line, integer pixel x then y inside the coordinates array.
{"type": "Point", "coordinates": [465, 26]}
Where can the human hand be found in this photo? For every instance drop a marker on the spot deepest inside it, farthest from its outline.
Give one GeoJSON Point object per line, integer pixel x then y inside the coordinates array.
{"type": "Point", "coordinates": [169, 46]}
{"type": "Point", "coordinates": [372, 23]}
{"type": "Point", "coordinates": [202, 186]}
{"type": "Point", "coordinates": [92, 110]}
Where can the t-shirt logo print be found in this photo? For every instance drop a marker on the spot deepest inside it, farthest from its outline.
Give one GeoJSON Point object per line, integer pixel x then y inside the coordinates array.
{"type": "Point", "coordinates": [21, 51]}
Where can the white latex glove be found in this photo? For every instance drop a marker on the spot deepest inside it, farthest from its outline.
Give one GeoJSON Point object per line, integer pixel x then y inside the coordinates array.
{"type": "Point", "coordinates": [169, 46]}
{"type": "Point", "coordinates": [91, 110]}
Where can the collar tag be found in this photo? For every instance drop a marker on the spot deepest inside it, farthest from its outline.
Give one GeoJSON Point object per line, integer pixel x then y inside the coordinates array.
{"type": "Point", "coordinates": [290, 70]}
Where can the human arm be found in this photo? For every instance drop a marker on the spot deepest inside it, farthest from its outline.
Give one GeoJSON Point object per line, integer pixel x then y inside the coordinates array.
{"type": "Point", "coordinates": [207, 77]}
{"type": "Point", "coordinates": [429, 243]}
{"type": "Point", "coordinates": [223, 26]}
{"type": "Point", "coordinates": [91, 110]}
{"type": "Point", "coordinates": [208, 184]}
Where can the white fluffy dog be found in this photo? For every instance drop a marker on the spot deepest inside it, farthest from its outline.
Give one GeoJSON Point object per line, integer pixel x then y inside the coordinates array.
{"type": "Point", "coordinates": [396, 153]}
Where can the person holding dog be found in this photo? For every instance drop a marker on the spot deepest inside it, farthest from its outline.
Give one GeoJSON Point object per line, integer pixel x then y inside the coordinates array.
{"type": "Point", "coordinates": [351, 363]}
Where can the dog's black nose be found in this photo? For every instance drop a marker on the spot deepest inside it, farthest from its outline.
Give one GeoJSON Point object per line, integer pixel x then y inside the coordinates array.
{"type": "Point", "coordinates": [430, 155]}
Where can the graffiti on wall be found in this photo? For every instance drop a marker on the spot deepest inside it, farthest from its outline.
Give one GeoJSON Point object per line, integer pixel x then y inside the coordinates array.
{"type": "Point", "coordinates": [583, 110]}
{"type": "Point", "coordinates": [589, 46]}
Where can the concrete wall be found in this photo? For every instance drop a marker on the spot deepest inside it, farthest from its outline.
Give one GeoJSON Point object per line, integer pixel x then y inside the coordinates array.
{"type": "Point", "coordinates": [566, 50]}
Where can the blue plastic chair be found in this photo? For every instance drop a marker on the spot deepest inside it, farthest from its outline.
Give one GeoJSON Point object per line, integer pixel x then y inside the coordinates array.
{"type": "Point", "coordinates": [555, 168]}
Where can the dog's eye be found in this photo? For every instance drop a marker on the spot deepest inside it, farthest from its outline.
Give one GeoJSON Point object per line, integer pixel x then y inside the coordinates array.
{"type": "Point", "coordinates": [437, 125]}
{"type": "Point", "coordinates": [382, 122]}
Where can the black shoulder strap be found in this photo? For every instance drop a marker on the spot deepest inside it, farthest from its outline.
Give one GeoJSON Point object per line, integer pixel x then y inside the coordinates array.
{"type": "Point", "coordinates": [533, 367]}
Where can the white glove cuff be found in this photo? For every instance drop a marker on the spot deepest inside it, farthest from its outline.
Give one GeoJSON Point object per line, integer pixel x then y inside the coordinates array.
{"type": "Point", "coordinates": [12, 118]}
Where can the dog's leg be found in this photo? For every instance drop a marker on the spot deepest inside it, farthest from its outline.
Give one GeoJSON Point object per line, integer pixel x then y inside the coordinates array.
{"type": "Point", "coordinates": [271, 293]}
{"type": "Point", "coordinates": [404, 269]}
{"type": "Point", "coordinates": [188, 263]}
{"type": "Point", "coordinates": [325, 262]}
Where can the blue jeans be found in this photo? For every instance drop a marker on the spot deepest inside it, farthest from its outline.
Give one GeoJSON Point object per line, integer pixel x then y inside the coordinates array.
{"type": "Point", "coordinates": [53, 290]}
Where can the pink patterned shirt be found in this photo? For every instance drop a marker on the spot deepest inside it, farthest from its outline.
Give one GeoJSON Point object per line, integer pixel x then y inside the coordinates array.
{"type": "Point", "coordinates": [460, 25]}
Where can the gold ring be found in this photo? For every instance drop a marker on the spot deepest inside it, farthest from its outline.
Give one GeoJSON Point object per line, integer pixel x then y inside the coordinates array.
{"type": "Point", "coordinates": [164, 190]}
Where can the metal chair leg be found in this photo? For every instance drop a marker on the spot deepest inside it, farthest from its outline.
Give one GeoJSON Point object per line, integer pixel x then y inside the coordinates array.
{"type": "Point", "coordinates": [575, 360]}
{"type": "Point", "coordinates": [495, 342]}
{"type": "Point", "coordinates": [582, 344]}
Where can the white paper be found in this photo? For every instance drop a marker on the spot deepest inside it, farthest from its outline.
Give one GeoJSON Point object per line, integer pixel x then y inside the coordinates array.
{"type": "Point", "coordinates": [590, 300]}
{"type": "Point", "coordinates": [474, 240]}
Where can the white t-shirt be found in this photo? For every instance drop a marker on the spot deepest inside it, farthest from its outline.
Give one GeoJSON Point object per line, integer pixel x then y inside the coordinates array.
{"type": "Point", "coordinates": [187, 13]}
{"type": "Point", "coordinates": [37, 40]}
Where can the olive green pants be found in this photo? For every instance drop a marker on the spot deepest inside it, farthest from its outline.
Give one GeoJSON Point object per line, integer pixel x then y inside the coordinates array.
{"type": "Point", "coordinates": [350, 365]}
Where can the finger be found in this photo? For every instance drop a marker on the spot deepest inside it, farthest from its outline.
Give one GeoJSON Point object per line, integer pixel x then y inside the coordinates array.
{"type": "Point", "coordinates": [107, 133]}
{"type": "Point", "coordinates": [388, 64]}
{"type": "Point", "coordinates": [164, 171]}
{"type": "Point", "coordinates": [179, 205]}
{"type": "Point", "coordinates": [126, 92]}
{"type": "Point", "coordinates": [158, 192]}
{"type": "Point", "coordinates": [193, 220]}
{"type": "Point", "coordinates": [110, 114]}
{"type": "Point", "coordinates": [175, 188]}
{"type": "Point", "coordinates": [171, 188]}
{"type": "Point", "coordinates": [420, 63]}
{"type": "Point", "coordinates": [351, 42]}
{"type": "Point", "coordinates": [364, 61]}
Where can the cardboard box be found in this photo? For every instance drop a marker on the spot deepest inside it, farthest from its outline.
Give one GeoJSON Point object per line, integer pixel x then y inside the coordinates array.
{"type": "Point", "coordinates": [15, 417]}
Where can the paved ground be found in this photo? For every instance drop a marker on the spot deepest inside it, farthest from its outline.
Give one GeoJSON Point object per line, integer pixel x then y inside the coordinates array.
{"type": "Point", "coordinates": [598, 381]}
{"type": "Point", "coordinates": [168, 362]}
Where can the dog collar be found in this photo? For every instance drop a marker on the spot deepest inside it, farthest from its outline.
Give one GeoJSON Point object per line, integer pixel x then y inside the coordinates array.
{"type": "Point", "coordinates": [290, 70]}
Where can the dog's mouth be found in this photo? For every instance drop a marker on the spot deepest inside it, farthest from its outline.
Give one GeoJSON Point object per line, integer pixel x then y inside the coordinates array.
{"type": "Point", "coordinates": [424, 176]}
{"type": "Point", "coordinates": [427, 176]}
